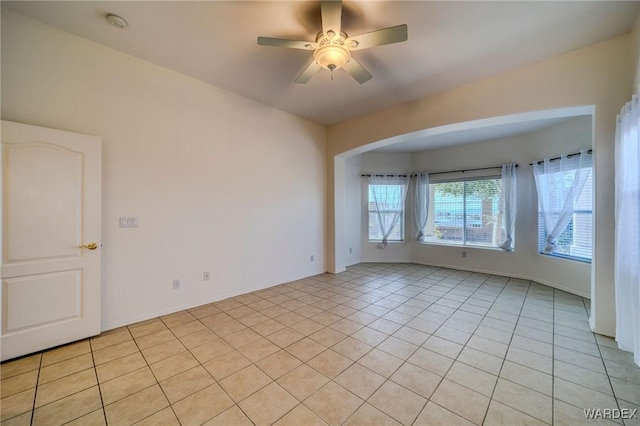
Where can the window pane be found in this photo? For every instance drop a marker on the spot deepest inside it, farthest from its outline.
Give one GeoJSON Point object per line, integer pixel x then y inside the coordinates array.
{"type": "Point", "coordinates": [388, 197]}
{"type": "Point", "coordinates": [448, 213]}
{"type": "Point", "coordinates": [575, 242]}
{"type": "Point", "coordinates": [484, 222]}
{"type": "Point", "coordinates": [374, 227]}
{"type": "Point", "coordinates": [465, 213]}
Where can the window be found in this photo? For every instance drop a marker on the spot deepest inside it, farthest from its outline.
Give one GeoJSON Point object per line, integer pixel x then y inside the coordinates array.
{"type": "Point", "coordinates": [386, 205]}
{"type": "Point", "coordinates": [465, 213]}
{"type": "Point", "coordinates": [576, 240]}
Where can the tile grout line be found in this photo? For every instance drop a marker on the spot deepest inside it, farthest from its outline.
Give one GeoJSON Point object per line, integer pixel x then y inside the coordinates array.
{"type": "Point", "coordinates": [332, 380]}
{"type": "Point", "coordinates": [365, 401]}
{"type": "Point", "coordinates": [392, 335]}
{"type": "Point", "coordinates": [463, 346]}
{"type": "Point", "coordinates": [35, 393]}
{"type": "Point", "coordinates": [606, 371]}
{"type": "Point", "coordinates": [505, 358]}
{"type": "Point", "coordinates": [40, 367]}
{"type": "Point", "coordinates": [471, 334]}
{"type": "Point", "coordinates": [553, 359]}
{"type": "Point", "coordinates": [154, 376]}
{"type": "Point", "coordinates": [386, 379]}
{"type": "Point", "coordinates": [524, 299]}
{"type": "Point", "coordinates": [235, 403]}
{"type": "Point", "coordinates": [200, 365]}
{"type": "Point", "coordinates": [95, 372]}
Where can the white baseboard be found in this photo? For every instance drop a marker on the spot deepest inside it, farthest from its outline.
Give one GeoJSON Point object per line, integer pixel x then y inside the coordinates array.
{"type": "Point", "coordinates": [172, 309]}
{"type": "Point", "coordinates": [597, 330]}
{"type": "Point", "coordinates": [506, 274]}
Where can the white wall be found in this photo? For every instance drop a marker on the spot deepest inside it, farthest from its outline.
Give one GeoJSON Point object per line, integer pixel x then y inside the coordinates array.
{"type": "Point", "coordinates": [220, 183]}
{"type": "Point", "coordinates": [353, 210]}
{"type": "Point", "coordinates": [599, 75]}
{"type": "Point", "coordinates": [524, 262]}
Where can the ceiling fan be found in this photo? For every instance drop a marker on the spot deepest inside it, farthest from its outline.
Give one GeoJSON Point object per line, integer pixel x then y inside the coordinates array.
{"type": "Point", "coordinates": [332, 47]}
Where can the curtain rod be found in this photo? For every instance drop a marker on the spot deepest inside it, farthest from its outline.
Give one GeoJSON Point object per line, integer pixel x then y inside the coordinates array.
{"type": "Point", "coordinates": [438, 173]}
{"type": "Point", "coordinates": [467, 170]}
{"type": "Point", "coordinates": [387, 175]}
{"type": "Point", "coordinates": [557, 158]}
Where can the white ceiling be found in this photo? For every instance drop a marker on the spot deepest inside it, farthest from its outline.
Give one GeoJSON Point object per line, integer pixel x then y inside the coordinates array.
{"type": "Point", "coordinates": [450, 43]}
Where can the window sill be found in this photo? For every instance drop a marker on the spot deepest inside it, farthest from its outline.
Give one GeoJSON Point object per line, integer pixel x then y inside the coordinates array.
{"type": "Point", "coordinates": [565, 257]}
{"type": "Point", "coordinates": [462, 246]}
{"type": "Point", "coordinates": [388, 241]}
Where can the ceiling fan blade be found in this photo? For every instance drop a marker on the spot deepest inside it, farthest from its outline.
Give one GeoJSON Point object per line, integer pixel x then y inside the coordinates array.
{"type": "Point", "coordinates": [281, 42]}
{"type": "Point", "coordinates": [376, 38]}
{"type": "Point", "coordinates": [331, 11]}
{"type": "Point", "coordinates": [357, 71]}
{"type": "Point", "coordinates": [308, 72]}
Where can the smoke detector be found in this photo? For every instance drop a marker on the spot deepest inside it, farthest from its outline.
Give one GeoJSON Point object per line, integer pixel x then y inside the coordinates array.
{"type": "Point", "coordinates": [116, 21]}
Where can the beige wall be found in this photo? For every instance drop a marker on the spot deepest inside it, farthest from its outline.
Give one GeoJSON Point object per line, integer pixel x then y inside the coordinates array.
{"type": "Point", "coordinates": [598, 75]}
{"type": "Point", "coordinates": [219, 183]}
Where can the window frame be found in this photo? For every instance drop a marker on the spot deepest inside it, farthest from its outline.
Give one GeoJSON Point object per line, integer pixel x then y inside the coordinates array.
{"type": "Point", "coordinates": [401, 220]}
{"type": "Point", "coordinates": [464, 242]}
{"type": "Point", "coordinates": [542, 234]}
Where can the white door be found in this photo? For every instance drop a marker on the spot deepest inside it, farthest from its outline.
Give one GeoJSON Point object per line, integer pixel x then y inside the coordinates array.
{"type": "Point", "coordinates": [51, 193]}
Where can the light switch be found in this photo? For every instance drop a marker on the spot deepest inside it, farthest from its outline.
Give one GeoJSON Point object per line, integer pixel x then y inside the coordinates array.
{"type": "Point", "coordinates": [128, 222]}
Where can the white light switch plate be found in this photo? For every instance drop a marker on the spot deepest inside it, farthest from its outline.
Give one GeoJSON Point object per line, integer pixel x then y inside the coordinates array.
{"type": "Point", "coordinates": [129, 222]}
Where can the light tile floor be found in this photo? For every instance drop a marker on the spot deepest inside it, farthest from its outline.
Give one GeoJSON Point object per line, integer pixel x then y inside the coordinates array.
{"type": "Point", "coordinates": [380, 344]}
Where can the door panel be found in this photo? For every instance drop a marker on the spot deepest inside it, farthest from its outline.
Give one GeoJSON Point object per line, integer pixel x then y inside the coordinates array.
{"type": "Point", "coordinates": [45, 220]}
{"type": "Point", "coordinates": [51, 192]}
{"type": "Point", "coordinates": [36, 291]}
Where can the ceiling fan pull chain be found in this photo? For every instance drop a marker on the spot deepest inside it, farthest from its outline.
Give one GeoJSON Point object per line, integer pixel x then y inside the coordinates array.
{"type": "Point", "coordinates": [331, 68]}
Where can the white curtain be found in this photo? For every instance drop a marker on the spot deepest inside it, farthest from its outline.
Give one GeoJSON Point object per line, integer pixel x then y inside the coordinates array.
{"type": "Point", "coordinates": [559, 183]}
{"type": "Point", "coordinates": [421, 203]}
{"type": "Point", "coordinates": [389, 194]}
{"type": "Point", "coordinates": [508, 203]}
{"type": "Point", "coordinates": [627, 229]}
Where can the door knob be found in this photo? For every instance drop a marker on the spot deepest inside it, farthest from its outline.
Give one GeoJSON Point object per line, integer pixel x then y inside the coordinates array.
{"type": "Point", "coordinates": [90, 246]}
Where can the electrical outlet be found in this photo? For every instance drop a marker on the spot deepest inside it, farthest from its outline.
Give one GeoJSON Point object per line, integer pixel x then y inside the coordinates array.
{"type": "Point", "coordinates": [312, 258]}
{"type": "Point", "coordinates": [205, 276]}
{"type": "Point", "coordinates": [464, 254]}
{"type": "Point", "coordinates": [176, 284]}
{"type": "Point", "coordinates": [350, 250]}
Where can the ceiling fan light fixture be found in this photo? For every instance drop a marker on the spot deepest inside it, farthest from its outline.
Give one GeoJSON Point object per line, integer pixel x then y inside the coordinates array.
{"type": "Point", "coordinates": [332, 56]}
{"type": "Point", "coordinates": [332, 47]}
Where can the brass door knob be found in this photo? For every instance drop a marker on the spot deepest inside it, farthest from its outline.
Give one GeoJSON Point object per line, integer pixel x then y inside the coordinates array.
{"type": "Point", "coordinates": [90, 246]}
